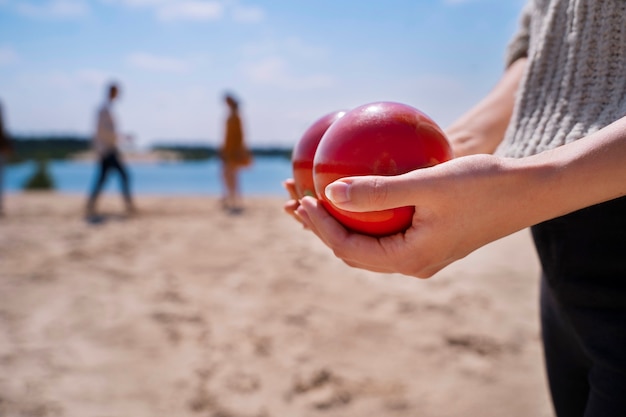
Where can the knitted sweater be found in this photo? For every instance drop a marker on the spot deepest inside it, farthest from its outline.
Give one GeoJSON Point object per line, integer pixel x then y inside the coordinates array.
{"type": "Point", "coordinates": [575, 80]}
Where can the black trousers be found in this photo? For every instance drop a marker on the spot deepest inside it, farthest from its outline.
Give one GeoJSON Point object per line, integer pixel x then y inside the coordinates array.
{"type": "Point", "coordinates": [583, 309]}
{"type": "Point", "coordinates": [110, 162]}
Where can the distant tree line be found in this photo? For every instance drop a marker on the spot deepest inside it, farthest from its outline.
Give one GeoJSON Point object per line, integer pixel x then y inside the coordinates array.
{"type": "Point", "coordinates": [201, 152]}
{"type": "Point", "coordinates": [63, 147]}
{"type": "Point", "coordinates": [189, 153]}
{"type": "Point", "coordinates": [45, 148]}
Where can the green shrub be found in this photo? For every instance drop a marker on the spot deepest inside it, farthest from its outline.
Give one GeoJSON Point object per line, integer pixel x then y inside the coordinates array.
{"type": "Point", "coordinates": [41, 179]}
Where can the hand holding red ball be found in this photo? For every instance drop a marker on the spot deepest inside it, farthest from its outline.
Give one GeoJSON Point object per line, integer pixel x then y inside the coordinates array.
{"type": "Point", "coordinates": [383, 138]}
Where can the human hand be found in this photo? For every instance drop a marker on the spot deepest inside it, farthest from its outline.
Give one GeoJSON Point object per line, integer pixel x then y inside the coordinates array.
{"type": "Point", "coordinates": [460, 205]}
{"type": "Point", "coordinates": [293, 203]}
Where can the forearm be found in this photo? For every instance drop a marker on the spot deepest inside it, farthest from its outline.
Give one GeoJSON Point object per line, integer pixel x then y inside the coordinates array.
{"type": "Point", "coordinates": [583, 173]}
{"type": "Point", "coordinates": [465, 203]}
{"type": "Point", "coordinates": [482, 128]}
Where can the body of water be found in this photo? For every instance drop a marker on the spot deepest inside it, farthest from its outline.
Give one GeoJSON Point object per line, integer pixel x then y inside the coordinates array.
{"type": "Point", "coordinates": [263, 178]}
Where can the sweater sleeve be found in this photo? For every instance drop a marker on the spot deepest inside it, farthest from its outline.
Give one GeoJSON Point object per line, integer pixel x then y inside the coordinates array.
{"type": "Point", "coordinates": [518, 46]}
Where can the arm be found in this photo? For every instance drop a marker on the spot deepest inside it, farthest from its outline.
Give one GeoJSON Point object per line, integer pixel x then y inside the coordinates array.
{"type": "Point", "coordinates": [482, 128]}
{"type": "Point", "coordinates": [470, 201]}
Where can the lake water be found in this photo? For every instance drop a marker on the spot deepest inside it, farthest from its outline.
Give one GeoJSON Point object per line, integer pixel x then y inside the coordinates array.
{"type": "Point", "coordinates": [263, 178]}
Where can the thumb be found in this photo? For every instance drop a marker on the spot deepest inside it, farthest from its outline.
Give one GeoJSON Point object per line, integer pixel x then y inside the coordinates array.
{"type": "Point", "coordinates": [372, 192]}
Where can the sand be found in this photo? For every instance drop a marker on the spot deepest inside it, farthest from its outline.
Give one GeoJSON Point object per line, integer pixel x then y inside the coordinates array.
{"type": "Point", "coordinates": [184, 310]}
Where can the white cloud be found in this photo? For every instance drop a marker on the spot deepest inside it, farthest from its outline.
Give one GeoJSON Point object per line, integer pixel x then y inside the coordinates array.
{"type": "Point", "coordinates": [248, 14]}
{"type": "Point", "coordinates": [176, 9]}
{"type": "Point", "coordinates": [267, 70]}
{"type": "Point", "coordinates": [298, 48]}
{"type": "Point", "coordinates": [64, 80]}
{"type": "Point", "coordinates": [93, 77]}
{"type": "Point", "coordinates": [198, 10]}
{"type": "Point", "coordinates": [190, 10]}
{"type": "Point", "coordinates": [456, 1]}
{"type": "Point", "coordinates": [53, 9]}
{"type": "Point", "coordinates": [46, 81]}
{"type": "Point", "coordinates": [275, 71]}
{"type": "Point", "coordinates": [7, 56]}
{"type": "Point", "coordinates": [291, 46]}
{"type": "Point", "coordinates": [288, 63]}
{"type": "Point", "coordinates": [136, 3]}
{"type": "Point", "coordinates": [157, 63]}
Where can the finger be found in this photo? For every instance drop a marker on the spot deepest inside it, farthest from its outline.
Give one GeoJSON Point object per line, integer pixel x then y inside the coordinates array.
{"type": "Point", "coordinates": [290, 185]}
{"type": "Point", "coordinates": [390, 254]}
{"type": "Point", "coordinates": [304, 216]}
{"type": "Point", "coordinates": [368, 267]}
{"type": "Point", "coordinates": [310, 225]}
{"type": "Point", "coordinates": [290, 208]}
{"type": "Point", "coordinates": [363, 251]}
{"type": "Point", "coordinates": [314, 215]}
{"type": "Point", "coordinates": [305, 219]}
{"type": "Point", "coordinates": [291, 205]}
{"type": "Point", "coordinates": [375, 192]}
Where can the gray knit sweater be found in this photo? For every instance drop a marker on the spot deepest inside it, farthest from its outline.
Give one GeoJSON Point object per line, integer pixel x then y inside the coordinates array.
{"type": "Point", "coordinates": [575, 81]}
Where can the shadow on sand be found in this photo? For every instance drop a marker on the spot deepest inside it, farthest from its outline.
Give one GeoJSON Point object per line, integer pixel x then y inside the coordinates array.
{"type": "Point", "coordinates": [99, 219]}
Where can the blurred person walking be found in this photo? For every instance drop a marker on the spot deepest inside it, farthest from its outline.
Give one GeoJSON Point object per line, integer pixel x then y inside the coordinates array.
{"type": "Point", "coordinates": [234, 155]}
{"type": "Point", "coordinates": [105, 143]}
{"type": "Point", "coordinates": [6, 149]}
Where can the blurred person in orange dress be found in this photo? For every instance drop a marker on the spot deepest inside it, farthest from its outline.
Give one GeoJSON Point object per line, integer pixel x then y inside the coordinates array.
{"type": "Point", "coordinates": [234, 155]}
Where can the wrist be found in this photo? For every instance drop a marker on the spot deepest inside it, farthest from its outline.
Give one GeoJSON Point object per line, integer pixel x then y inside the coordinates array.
{"type": "Point", "coordinates": [556, 183]}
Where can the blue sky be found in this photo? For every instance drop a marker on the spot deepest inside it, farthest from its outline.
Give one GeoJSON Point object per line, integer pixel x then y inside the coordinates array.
{"type": "Point", "coordinates": [290, 61]}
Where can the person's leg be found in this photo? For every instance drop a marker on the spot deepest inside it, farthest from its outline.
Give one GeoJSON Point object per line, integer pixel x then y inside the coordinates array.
{"type": "Point", "coordinates": [567, 365]}
{"type": "Point", "coordinates": [104, 166]}
{"type": "Point", "coordinates": [1, 184]}
{"type": "Point", "coordinates": [230, 185]}
{"type": "Point", "coordinates": [584, 294]}
{"type": "Point", "coordinates": [603, 333]}
{"type": "Point", "coordinates": [124, 182]}
{"type": "Point", "coordinates": [225, 191]}
{"type": "Point", "coordinates": [608, 393]}
{"type": "Point", "coordinates": [587, 376]}
{"type": "Point", "coordinates": [235, 187]}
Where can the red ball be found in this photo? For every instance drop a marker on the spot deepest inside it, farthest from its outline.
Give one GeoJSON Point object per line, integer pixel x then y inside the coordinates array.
{"type": "Point", "coordinates": [304, 151]}
{"type": "Point", "coordinates": [382, 138]}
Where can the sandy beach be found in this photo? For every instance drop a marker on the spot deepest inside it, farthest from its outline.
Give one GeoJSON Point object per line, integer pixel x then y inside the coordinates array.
{"type": "Point", "coordinates": [184, 310]}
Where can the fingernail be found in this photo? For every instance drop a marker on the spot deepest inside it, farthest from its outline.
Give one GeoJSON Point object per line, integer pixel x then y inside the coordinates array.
{"type": "Point", "coordinates": [338, 192]}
